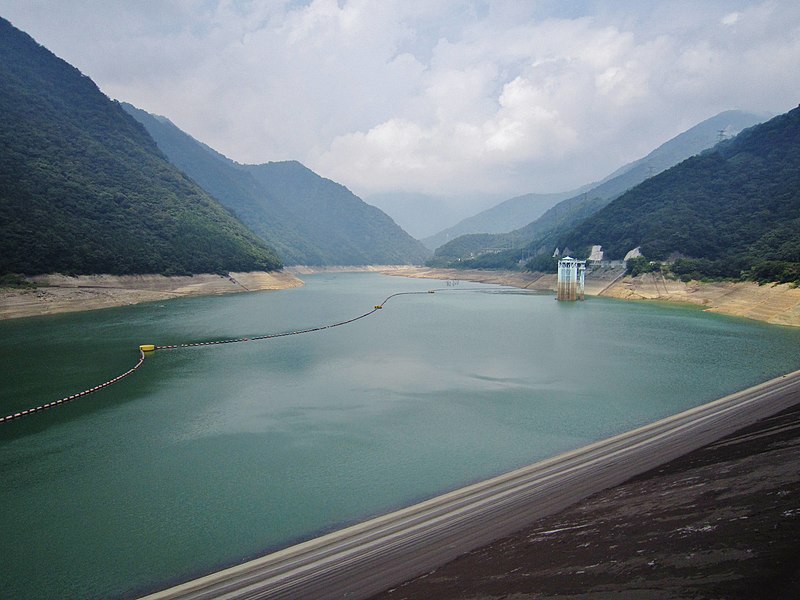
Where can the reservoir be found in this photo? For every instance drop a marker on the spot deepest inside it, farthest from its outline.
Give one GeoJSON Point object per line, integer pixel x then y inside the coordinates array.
{"type": "Point", "coordinates": [210, 456]}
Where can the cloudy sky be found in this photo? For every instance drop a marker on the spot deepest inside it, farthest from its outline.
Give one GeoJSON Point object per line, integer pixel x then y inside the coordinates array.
{"type": "Point", "coordinates": [443, 97]}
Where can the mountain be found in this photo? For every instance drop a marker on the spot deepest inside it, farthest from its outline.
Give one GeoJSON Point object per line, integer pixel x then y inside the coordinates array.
{"type": "Point", "coordinates": [419, 214]}
{"type": "Point", "coordinates": [539, 234]}
{"type": "Point", "coordinates": [308, 219]}
{"type": "Point", "coordinates": [506, 216]}
{"type": "Point", "coordinates": [733, 211]}
{"type": "Point", "coordinates": [84, 189]}
{"type": "Point", "coordinates": [702, 136]}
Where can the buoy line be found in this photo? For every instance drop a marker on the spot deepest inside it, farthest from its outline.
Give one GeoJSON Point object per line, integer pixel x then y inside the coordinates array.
{"type": "Point", "coordinates": [66, 399]}
{"type": "Point", "coordinates": [146, 349]}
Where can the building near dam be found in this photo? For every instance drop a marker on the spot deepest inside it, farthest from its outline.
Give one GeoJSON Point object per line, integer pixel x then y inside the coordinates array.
{"type": "Point", "coordinates": [571, 277]}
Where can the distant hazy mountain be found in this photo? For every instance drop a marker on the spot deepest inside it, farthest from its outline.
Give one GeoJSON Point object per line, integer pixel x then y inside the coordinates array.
{"type": "Point", "coordinates": [419, 214]}
{"type": "Point", "coordinates": [564, 215]}
{"type": "Point", "coordinates": [702, 136]}
{"type": "Point", "coordinates": [84, 189]}
{"type": "Point", "coordinates": [423, 215]}
{"type": "Point", "coordinates": [729, 212]}
{"type": "Point", "coordinates": [506, 216]}
{"type": "Point", "coordinates": [309, 220]}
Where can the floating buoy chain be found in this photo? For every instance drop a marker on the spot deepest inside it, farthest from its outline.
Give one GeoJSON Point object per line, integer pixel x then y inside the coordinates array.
{"type": "Point", "coordinates": [147, 349]}
{"type": "Point", "coordinates": [66, 399]}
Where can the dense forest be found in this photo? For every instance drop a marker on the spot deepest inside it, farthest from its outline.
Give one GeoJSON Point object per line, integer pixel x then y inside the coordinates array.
{"type": "Point", "coordinates": [732, 212]}
{"type": "Point", "coordinates": [308, 219]}
{"type": "Point", "coordinates": [84, 189]}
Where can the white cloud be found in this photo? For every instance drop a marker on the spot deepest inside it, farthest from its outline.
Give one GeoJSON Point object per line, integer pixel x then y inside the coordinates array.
{"type": "Point", "coordinates": [447, 96]}
{"type": "Point", "coordinates": [730, 18]}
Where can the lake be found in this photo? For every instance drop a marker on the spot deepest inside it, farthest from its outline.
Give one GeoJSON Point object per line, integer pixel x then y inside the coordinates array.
{"type": "Point", "coordinates": [210, 456]}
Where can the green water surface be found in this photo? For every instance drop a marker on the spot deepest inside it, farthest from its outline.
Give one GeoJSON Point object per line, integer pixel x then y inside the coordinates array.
{"type": "Point", "coordinates": [206, 457]}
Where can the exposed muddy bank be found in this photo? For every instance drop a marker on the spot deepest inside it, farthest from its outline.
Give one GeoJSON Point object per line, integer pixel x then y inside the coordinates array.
{"type": "Point", "coordinates": [778, 304]}
{"type": "Point", "coordinates": [60, 294]}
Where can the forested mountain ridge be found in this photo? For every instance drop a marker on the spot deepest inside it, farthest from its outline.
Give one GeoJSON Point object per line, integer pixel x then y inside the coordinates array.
{"type": "Point", "coordinates": [507, 216]}
{"type": "Point", "coordinates": [310, 220]}
{"type": "Point", "coordinates": [84, 189]}
{"type": "Point", "coordinates": [563, 216]}
{"type": "Point", "coordinates": [733, 211]}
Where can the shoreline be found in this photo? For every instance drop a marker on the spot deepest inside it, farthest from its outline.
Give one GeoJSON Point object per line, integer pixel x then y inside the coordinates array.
{"type": "Point", "coordinates": [775, 304]}
{"type": "Point", "coordinates": [56, 294]}
{"type": "Point", "coordinates": [317, 270]}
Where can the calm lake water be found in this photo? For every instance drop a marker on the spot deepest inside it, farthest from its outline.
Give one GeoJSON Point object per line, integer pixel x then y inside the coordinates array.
{"type": "Point", "coordinates": [206, 457]}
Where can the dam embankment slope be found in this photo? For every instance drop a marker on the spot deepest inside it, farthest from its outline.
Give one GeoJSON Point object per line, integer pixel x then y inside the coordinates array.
{"type": "Point", "coordinates": [719, 522]}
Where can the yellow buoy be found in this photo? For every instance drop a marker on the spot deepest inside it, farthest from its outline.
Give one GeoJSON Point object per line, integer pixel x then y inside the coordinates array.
{"type": "Point", "coordinates": [377, 306]}
{"type": "Point", "coordinates": [147, 347]}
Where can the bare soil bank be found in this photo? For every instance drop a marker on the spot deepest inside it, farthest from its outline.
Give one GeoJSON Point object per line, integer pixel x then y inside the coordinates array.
{"type": "Point", "coordinates": [59, 294]}
{"type": "Point", "coordinates": [313, 270]}
{"type": "Point", "coordinates": [720, 522]}
{"type": "Point", "coordinates": [778, 304]}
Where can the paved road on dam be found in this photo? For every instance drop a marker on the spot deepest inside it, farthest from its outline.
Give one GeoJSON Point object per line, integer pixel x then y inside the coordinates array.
{"type": "Point", "coordinates": [364, 559]}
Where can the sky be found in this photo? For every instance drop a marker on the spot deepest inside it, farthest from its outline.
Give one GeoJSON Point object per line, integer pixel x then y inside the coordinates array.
{"type": "Point", "coordinates": [450, 98]}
